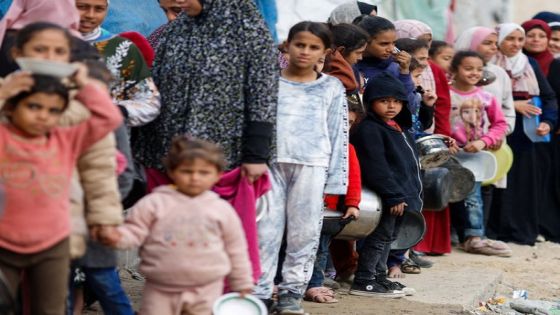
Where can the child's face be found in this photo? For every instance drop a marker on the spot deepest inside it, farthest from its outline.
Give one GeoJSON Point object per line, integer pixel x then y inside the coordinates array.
{"type": "Point", "coordinates": [352, 118]}
{"type": "Point", "coordinates": [48, 44]}
{"type": "Point", "coordinates": [92, 14]}
{"type": "Point", "coordinates": [443, 59]}
{"type": "Point", "coordinates": [192, 178]}
{"type": "Point", "coordinates": [422, 56]}
{"type": "Point", "coordinates": [387, 108]}
{"type": "Point", "coordinates": [469, 71]}
{"type": "Point", "coordinates": [305, 50]}
{"type": "Point", "coordinates": [417, 76]}
{"type": "Point", "coordinates": [536, 41]}
{"type": "Point", "coordinates": [489, 47]}
{"type": "Point", "coordinates": [554, 43]}
{"type": "Point", "coordinates": [37, 114]}
{"type": "Point", "coordinates": [320, 65]}
{"type": "Point", "coordinates": [382, 45]}
{"type": "Point", "coordinates": [355, 55]}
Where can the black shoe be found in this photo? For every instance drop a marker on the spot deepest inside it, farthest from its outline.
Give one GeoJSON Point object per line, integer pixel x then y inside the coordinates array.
{"type": "Point", "coordinates": [421, 262]}
{"type": "Point", "coordinates": [373, 288]}
{"type": "Point", "coordinates": [289, 304]}
{"type": "Point", "coordinates": [395, 286]}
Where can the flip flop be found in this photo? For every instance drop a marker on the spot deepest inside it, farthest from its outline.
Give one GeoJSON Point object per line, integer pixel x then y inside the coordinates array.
{"type": "Point", "coordinates": [410, 267]}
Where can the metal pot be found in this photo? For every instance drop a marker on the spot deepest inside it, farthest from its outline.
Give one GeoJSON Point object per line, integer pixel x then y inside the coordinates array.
{"type": "Point", "coordinates": [412, 231]}
{"type": "Point", "coordinates": [437, 188]}
{"type": "Point", "coordinates": [433, 151]}
{"type": "Point", "coordinates": [462, 180]}
{"type": "Point", "coordinates": [370, 214]}
{"type": "Point", "coordinates": [488, 77]}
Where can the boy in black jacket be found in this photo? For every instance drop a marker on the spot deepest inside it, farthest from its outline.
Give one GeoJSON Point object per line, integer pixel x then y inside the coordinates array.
{"type": "Point", "coordinates": [390, 168]}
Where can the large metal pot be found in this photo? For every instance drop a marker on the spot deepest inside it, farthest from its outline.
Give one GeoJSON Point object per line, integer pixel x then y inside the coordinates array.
{"type": "Point", "coordinates": [462, 180]}
{"type": "Point", "coordinates": [433, 151]}
{"type": "Point", "coordinates": [437, 188]}
{"type": "Point", "coordinates": [412, 230]}
{"type": "Point", "coordinates": [370, 214]}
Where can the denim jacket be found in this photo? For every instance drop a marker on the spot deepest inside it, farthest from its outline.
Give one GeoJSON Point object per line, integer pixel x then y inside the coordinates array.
{"type": "Point", "coordinates": [312, 128]}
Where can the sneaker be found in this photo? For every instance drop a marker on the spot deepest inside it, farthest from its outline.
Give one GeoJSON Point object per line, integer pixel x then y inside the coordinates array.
{"type": "Point", "coordinates": [420, 261]}
{"type": "Point", "coordinates": [395, 286]}
{"type": "Point", "coordinates": [289, 304]}
{"type": "Point", "coordinates": [373, 288]}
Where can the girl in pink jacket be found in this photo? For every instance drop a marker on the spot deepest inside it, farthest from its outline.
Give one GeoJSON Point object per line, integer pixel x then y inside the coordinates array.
{"type": "Point", "coordinates": [189, 238]}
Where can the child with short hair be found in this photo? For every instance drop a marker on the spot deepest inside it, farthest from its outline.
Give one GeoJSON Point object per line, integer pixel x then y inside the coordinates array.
{"type": "Point", "coordinates": [390, 167]}
{"type": "Point", "coordinates": [442, 53]}
{"type": "Point", "coordinates": [37, 160]}
{"type": "Point", "coordinates": [554, 42]}
{"type": "Point", "coordinates": [189, 238]}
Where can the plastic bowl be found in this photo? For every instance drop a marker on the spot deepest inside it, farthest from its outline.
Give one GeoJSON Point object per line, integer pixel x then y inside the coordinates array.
{"type": "Point", "coordinates": [482, 164]}
{"type": "Point", "coordinates": [46, 67]}
{"type": "Point", "coordinates": [504, 159]}
{"type": "Point", "coordinates": [234, 304]}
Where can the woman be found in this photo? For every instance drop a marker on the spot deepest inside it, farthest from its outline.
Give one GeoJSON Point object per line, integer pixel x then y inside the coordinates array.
{"type": "Point", "coordinates": [437, 239]}
{"type": "Point", "coordinates": [514, 216]}
{"type": "Point", "coordinates": [132, 87]}
{"type": "Point", "coordinates": [229, 100]}
{"type": "Point", "coordinates": [536, 46]}
{"type": "Point", "coordinates": [347, 12]}
{"type": "Point", "coordinates": [172, 9]}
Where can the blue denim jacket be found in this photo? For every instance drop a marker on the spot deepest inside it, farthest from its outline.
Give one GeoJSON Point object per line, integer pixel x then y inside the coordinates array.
{"type": "Point", "coordinates": [312, 128]}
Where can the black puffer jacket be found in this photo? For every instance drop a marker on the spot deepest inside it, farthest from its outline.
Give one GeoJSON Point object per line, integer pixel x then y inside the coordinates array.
{"type": "Point", "coordinates": [388, 159]}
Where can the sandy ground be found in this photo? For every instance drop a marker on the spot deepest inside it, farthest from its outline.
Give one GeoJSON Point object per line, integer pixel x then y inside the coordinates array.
{"type": "Point", "coordinates": [531, 268]}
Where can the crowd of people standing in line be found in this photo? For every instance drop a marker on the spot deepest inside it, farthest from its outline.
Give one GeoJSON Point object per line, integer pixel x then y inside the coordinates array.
{"type": "Point", "coordinates": [206, 123]}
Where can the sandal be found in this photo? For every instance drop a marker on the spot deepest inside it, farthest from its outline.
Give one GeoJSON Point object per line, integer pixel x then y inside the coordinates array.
{"type": "Point", "coordinates": [487, 247]}
{"type": "Point", "coordinates": [320, 295]}
{"type": "Point", "coordinates": [410, 267]}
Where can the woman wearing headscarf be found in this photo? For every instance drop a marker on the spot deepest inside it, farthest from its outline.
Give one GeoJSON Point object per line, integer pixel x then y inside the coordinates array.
{"type": "Point", "coordinates": [514, 213]}
{"type": "Point", "coordinates": [24, 12]}
{"type": "Point", "coordinates": [437, 239]}
{"type": "Point", "coordinates": [347, 12]}
{"type": "Point", "coordinates": [132, 87]}
{"type": "Point", "coordinates": [536, 46]}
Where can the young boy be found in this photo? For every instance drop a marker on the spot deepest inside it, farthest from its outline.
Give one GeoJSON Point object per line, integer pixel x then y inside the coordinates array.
{"type": "Point", "coordinates": [390, 168]}
{"type": "Point", "coordinates": [190, 239]}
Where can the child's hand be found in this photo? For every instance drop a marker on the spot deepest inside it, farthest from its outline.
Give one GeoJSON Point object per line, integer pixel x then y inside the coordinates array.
{"type": "Point", "coordinates": [543, 129]}
{"type": "Point", "coordinates": [403, 59]}
{"type": "Point", "coordinates": [429, 98]}
{"type": "Point", "coordinates": [81, 77]}
{"type": "Point", "coordinates": [496, 146]}
{"type": "Point", "coordinates": [352, 212]}
{"type": "Point", "coordinates": [16, 83]}
{"type": "Point", "coordinates": [474, 146]}
{"type": "Point", "coordinates": [109, 235]}
{"type": "Point", "coordinates": [451, 144]}
{"type": "Point", "coordinates": [245, 292]}
{"type": "Point", "coordinates": [398, 210]}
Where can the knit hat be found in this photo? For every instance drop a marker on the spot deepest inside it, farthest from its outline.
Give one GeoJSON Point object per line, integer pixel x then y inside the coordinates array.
{"type": "Point", "coordinates": [386, 85]}
{"type": "Point", "coordinates": [366, 8]}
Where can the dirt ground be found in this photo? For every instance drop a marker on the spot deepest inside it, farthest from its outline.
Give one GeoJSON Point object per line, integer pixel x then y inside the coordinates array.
{"type": "Point", "coordinates": [531, 268]}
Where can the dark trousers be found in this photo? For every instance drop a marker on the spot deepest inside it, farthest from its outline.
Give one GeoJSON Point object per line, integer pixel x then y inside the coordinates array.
{"type": "Point", "coordinates": [374, 249]}
{"type": "Point", "coordinates": [318, 276]}
{"type": "Point", "coordinates": [46, 273]}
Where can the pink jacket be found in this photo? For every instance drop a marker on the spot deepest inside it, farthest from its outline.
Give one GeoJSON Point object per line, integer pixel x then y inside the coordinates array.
{"type": "Point", "coordinates": [187, 241]}
{"type": "Point", "coordinates": [492, 126]}
{"type": "Point", "coordinates": [36, 175]}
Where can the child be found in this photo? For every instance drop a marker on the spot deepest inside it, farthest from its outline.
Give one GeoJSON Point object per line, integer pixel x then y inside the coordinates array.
{"type": "Point", "coordinates": [349, 204]}
{"type": "Point", "coordinates": [311, 160]}
{"type": "Point", "coordinates": [477, 122]}
{"type": "Point", "coordinates": [554, 42]}
{"type": "Point", "coordinates": [442, 53]}
{"type": "Point", "coordinates": [380, 54]}
{"type": "Point", "coordinates": [37, 163]}
{"type": "Point", "coordinates": [390, 168]}
{"type": "Point", "coordinates": [189, 238]}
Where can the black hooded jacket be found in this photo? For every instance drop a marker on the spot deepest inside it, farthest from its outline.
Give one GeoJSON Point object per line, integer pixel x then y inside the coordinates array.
{"type": "Point", "coordinates": [388, 159]}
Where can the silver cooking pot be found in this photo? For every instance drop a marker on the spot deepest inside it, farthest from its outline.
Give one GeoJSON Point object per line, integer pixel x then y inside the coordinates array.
{"type": "Point", "coordinates": [462, 180]}
{"type": "Point", "coordinates": [433, 151]}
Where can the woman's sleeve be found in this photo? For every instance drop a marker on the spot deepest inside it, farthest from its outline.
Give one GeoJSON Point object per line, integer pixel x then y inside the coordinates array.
{"type": "Point", "coordinates": [498, 125]}
{"type": "Point", "coordinates": [141, 100]}
{"type": "Point", "coordinates": [442, 107]}
{"type": "Point", "coordinates": [260, 88]}
{"type": "Point", "coordinates": [337, 126]}
{"type": "Point", "coordinates": [548, 98]}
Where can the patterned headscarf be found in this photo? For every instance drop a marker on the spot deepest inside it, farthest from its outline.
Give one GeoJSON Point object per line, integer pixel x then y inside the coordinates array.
{"type": "Point", "coordinates": [411, 29]}
{"type": "Point", "coordinates": [218, 77]}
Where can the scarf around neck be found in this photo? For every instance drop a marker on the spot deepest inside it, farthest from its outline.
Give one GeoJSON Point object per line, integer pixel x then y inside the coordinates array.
{"type": "Point", "coordinates": [99, 34]}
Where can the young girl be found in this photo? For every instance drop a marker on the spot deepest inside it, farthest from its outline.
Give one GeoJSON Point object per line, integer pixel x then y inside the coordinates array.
{"type": "Point", "coordinates": [37, 162]}
{"type": "Point", "coordinates": [477, 123]}
{"type": "Point", "coordinates": [311, 160]}
{"type": "Point", "coordinates": [441, 53]}
{"type": "Point", "coordinates": [190, 239]}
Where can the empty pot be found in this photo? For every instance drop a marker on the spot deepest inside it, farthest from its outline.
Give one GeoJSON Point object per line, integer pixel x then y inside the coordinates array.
{"type": "Point", "coordinates": [437, 188]}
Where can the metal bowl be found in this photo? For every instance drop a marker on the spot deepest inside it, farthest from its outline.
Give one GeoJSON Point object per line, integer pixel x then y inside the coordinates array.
{"type": "Point", "coordinates": [433, 151]}
{"type": "Point", "coordinates": [370, 214]}
{"type": "Point", "coordinates": [412, 230]}
{"type": "Point", "coordinates": [462, 180]}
